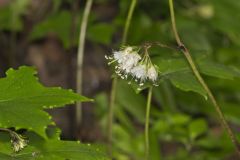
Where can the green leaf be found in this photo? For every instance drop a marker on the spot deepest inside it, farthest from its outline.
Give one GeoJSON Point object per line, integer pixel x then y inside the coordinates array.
{"type": "Point", "coordinates": [11, 15]}
{"type": "Point", "coordinates": [187, 82]}
{"type": "Point", "coordinates": [130, 101]}
{"type": "Point", "coordinates": [57, 150]}
{"type": "Point", "coordinates": [23, 100]}
{"type": "Point", "coordinates": [58, 24]}
{"type": "Point", "coordinates": [181, 76]}
{"type": "Point", "coordinates": [197, 127]}
{"type": "Point", "coordinates": [101, 33]}
{"type": "Point", "coordinates": [217, 70]}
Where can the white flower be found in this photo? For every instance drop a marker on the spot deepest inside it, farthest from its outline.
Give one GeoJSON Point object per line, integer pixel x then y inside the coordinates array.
{"type": "Point", "coordinates": [139, 72]}
{"type": "Point", "coordinates": [130, 60]}
{"type": "Point", "coordinates": [152, 73]}
{"type": "Point", "coordinates": [129, 63]}
{"type": "Point", "coordinates": [18, 142]}
{"type": "Point", "coordinates": [126, 59]}
{"type": "Point", "coordinates": [119, 56]}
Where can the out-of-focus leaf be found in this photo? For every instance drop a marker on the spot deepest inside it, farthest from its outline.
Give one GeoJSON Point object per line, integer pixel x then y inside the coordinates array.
{"type": "Point", "coordinates": [181, 76]}
{"type": "Point", "coordinates": [221, 18]}
{"type": "Point", "coordinates": [217, 70]}
{"type": "Point", "coordinates": [197, 127]}
{"type": "Point", "coordinates": [132, 102]}
{"type": "Point", "coordinates": [10, 15]}
{"type": "Point", "coordinates": [121, 138]}
{"type": "Point", "coordinates": [58, 24]}
{"type": "Point", "coordinates": [101, 33]}
{"type": "Point", "coordinates": [154, 146]}
{"type": "Point", "coordinates": [124, 119]}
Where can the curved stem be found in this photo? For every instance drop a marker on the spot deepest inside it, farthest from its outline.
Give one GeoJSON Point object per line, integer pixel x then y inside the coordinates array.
{"type": "Point", "coordinates": [6, 130]}
{"type": "Point", "coordinates": [9, 131]}
{"type": "Point", "coordinates": [80, 58]}
{"type": "Point", "coordinates": [188, 56]}
{"type": "Point", "coordinates": [114, 82]}
{"type": "Point", "coordinates": [148, 106]}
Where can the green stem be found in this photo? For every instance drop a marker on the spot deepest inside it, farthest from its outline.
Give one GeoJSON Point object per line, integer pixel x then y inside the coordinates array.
{"type": "Point", "coordinates": [80, 58]}
{"type": "Point", "coordinates": [115, 80]}
{"type": "Point", "coordinates": [9, 131]}
{"type": "Point", "coordinates": [111, 115]}
{"type": "Point", "coordinates": [148, 106]}
{"type": "Point", "coordinates": [188, 56]}
{"type": "Point", "coordinates": [128, 21]}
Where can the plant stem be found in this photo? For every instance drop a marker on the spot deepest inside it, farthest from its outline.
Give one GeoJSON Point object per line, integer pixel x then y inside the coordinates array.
{"type": "Point", "coordinates": [201, 80]}
{"type": "Point", "coordinates": [6, 130]}
{"type": "Point", "coordinates": [115, 80]}
{"type": "Point", "coordinates": [148, 106]}
{"type": "Point", "coordinates": [111, 115]}
{"type": "Point", "coordinates": [128, 21]}
{"type": "Point", "coordinates": [9, 131]}
{"type": "Point", "coordinates": [80, 58]}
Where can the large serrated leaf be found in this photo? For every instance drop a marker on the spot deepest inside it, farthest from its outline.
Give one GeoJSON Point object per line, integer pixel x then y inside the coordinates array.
{"type": "Point", "coordinates": [23, 98]}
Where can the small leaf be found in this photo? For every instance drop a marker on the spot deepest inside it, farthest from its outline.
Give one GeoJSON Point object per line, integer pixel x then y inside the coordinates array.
{"type": "Point", "coordinates": [197, 127]}
{"type": "Point", "coordinates": [23, 100]}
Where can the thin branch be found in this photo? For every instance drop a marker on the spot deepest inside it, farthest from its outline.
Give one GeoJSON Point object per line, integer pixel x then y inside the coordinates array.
{"type": "Point", "coordinates": [201, 80]}
{"type": "Point", "coordinates": [80, 58]}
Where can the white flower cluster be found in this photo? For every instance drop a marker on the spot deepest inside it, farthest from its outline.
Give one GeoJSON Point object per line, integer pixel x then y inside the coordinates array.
{"type": "Point", "coordinates": [18, 142]}
{"type": "Point", "coordinates": [129, 62]}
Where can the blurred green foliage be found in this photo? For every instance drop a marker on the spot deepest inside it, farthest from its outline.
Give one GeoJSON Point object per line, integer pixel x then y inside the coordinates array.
{"type": "Point", "coordinates": [184, 125]}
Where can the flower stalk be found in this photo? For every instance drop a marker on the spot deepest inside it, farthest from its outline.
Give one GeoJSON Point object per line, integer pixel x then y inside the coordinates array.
{"type": "Point", "coordinates": [80, 59]}
{"type": "Point", "coordinates": [148, 107]}
{"type": "Point", "coordinates": [194, 68]}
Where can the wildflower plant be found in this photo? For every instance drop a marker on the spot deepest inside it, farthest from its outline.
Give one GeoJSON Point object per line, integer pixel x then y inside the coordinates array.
{"type": "Point", "coordinates": [133, 65]}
